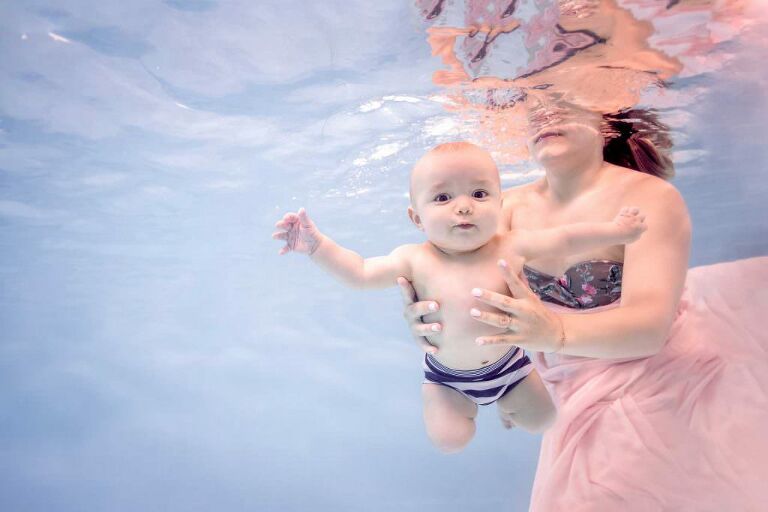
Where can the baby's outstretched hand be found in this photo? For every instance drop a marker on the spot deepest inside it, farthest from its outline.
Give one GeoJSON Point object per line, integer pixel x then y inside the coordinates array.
{"type": "Point", "coordinates": [299, 232]}
{"type": "Point", "coordinates": [630, 224]}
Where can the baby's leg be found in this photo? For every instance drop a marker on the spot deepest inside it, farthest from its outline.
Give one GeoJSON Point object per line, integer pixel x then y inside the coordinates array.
{"type": "Point", "coordinates": [449, 417]}
{"type": "Point", "coordinates": [528, 405]}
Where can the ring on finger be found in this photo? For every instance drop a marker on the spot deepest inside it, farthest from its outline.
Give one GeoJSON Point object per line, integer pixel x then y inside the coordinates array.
{"type": "Point", "coordinates": [509, 322]}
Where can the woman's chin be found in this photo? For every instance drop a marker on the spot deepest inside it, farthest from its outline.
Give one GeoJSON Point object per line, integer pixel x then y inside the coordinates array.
{"type": "Point", "coordinates": [555, 154]}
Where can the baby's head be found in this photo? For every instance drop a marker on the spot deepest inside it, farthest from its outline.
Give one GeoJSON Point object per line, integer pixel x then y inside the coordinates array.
{"type": "Point", "coordinates": [456, 196]}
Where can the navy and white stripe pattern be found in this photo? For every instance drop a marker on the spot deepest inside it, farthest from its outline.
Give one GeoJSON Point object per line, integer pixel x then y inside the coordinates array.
{"type": "Point", "coordinates": [482, 385]}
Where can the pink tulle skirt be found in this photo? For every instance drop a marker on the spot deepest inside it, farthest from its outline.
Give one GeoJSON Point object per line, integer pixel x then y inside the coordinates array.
{"type": "Point", "coordinates": [683, 430]}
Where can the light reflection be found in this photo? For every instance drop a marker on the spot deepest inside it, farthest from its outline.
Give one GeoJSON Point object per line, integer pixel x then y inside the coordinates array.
{"type": "Point", "coordinates": [606, 56]}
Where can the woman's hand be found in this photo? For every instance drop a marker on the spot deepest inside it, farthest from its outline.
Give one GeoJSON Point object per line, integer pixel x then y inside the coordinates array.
{"type": "Point", "coordinates": [414, 311]}
{"type": "Point", "coordinates": [529, 324]}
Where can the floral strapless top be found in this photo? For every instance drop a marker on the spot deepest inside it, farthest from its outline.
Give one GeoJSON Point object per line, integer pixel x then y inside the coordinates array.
{"type": "Point", "coordinates": [588, 284]}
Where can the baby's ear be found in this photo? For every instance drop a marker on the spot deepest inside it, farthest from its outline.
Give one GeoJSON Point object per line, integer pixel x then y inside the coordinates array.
{"type": "Point", "coordinates": [415, 218]}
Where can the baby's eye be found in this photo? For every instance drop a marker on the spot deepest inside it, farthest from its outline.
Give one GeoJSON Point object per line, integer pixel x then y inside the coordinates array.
{"type": "Point", "coordinates": [480, 194]}
{"type": "Point", "coordinates": [441, 198]}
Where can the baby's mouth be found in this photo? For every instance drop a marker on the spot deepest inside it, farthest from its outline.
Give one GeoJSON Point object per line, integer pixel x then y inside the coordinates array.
{"type": "Point", "coordinates": [464, 225]}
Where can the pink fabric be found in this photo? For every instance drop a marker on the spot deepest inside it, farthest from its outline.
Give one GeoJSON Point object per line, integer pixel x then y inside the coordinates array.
{"type": "Point", "coordinates": [683, 430]}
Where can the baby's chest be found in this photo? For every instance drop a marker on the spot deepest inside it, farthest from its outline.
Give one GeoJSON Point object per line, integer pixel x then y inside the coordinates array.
{"type": "Point", "coordinates": [451, 284]}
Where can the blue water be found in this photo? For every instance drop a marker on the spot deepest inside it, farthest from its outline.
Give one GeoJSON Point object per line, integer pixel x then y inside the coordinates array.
{"type": "Point", "coordinates": [156, 353]}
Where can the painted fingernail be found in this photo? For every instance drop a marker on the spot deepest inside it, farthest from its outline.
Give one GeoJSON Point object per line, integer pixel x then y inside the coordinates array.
{"type": "Point", "coordinates": [435, 327]}
{"type": "Point", "coordinates": [433, 306]}
{"type": "Point", "coordinates": [477, 292]}
{"type": "Point", "coordinates": [502, 263]}
{"type": "Point", "coordinates": [480, 341]}
{"type": "Point", "coordinates": [474, 312]}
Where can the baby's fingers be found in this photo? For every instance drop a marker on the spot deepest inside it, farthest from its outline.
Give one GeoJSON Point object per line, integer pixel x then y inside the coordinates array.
{"type": "Point", "coordinates": [629, 211]}
{"type": "Point", "coordinates": [303, 217]}
{"type": "Point", "coordinates": [285, 223]}
{"type": "Point", "coordinates": [280, 235]}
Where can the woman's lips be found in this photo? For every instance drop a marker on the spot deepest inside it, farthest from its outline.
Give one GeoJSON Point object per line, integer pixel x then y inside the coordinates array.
{"type": "Point", "coordinates": [547, 134]}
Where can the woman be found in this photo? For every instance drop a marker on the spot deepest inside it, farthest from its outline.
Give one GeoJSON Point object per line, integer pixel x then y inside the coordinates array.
{"type": "Point", "coordinates": [660, 400]}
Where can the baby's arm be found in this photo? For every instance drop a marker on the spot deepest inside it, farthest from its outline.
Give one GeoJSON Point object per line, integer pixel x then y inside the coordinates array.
{"type": "Point", "coordinates": [301, 235]}
{"type": "Point", "coordinates": [625, 228]}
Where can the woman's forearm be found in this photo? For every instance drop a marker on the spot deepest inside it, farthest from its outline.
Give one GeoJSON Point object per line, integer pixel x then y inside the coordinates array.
{"type": "Point", "coordinates": [625, 331]}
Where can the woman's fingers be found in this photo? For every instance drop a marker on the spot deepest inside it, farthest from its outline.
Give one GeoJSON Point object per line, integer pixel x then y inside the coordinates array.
{"type": "Point", "coordinates": [414, 311]}
{"type": "Point", "coordinates": [503, 320]}
{"type": "Point", "coordinates": [497, 300]}
{"type": "Point", "coordinates": [501, 339]}
{"type": "Point", "coordinates": [406, 290]}
{"type": "Point", "coordinates": [421, 329]}
{"type": "Point", "coordinates": [280, 235]}
{"type": "Point", "coordinates": [517, 287]}
{"type": "Point", "coordinates": [425, 345]}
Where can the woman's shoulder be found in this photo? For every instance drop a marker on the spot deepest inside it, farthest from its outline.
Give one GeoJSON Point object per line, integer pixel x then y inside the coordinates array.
{"type": "Point", "coordinates": [645, 190]}
{"type": "Point", "coordinates": [520, 193]}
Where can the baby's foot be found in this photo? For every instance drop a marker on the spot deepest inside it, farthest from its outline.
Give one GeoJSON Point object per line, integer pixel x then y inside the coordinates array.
{"type": "Point", "coordinates": [630, 223]}
{"type": "Point", "coordinates": [506, 420]}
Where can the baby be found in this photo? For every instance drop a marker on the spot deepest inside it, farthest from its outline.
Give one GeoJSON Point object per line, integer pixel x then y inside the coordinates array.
{"type": "Point", "coordinates": [456, 200]}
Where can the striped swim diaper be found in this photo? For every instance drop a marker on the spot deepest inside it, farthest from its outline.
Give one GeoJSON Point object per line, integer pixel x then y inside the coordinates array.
{"type": "Point", "coordinates": [482, 385]}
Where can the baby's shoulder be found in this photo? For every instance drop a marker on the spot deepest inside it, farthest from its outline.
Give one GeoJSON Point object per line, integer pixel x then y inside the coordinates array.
{"type": "Point", "coordinates": [408, 252]}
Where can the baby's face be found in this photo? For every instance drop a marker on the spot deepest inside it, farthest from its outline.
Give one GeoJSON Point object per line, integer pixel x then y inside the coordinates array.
{"type": "Point", "coordinates": [456, 199]}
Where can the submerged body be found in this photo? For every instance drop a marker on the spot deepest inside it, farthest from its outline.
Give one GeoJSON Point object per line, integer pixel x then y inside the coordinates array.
{"type": "Point", "coordinates": [450, 279]}
{"type": "Point", "coordinates": [456, 200]}
{"type": "Point", "coordinates": [662, 390]}
{"type": "Point", "coordinates": [679, 430]}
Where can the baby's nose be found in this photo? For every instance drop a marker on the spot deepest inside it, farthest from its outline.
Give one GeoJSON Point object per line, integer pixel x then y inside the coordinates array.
{"type": "Point", "coordinates": [463, 207]}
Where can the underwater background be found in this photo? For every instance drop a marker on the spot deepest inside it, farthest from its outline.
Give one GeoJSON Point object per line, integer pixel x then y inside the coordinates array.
{"type": "Point", "coordinates": [155, 351]}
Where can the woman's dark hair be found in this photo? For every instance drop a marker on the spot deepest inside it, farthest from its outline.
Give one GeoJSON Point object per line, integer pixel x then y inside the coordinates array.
{"type": "Point", "coordinates": [638, 140]}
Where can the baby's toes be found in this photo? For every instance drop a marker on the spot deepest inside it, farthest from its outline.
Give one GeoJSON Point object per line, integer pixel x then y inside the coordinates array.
{"type": "Point", "coordinates": [506, 421]}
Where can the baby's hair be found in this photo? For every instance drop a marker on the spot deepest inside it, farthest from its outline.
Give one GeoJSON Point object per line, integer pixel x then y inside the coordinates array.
{"type": "Point", "coordinates": [448, 148]}
{"type": "Point", "coordinates": [454, 147]}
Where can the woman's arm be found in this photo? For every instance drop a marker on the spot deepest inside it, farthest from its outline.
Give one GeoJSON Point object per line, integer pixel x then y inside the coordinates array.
{"type": "Point", "coordinates": [653, 278]}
